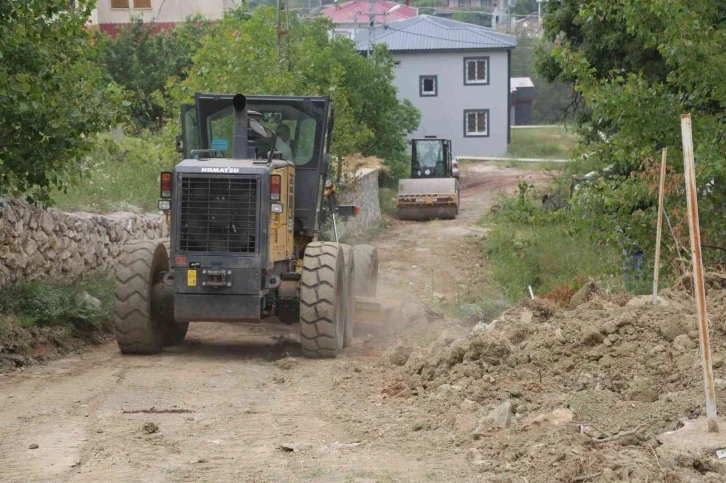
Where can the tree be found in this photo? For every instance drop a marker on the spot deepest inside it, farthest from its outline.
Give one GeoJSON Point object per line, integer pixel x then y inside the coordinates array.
{"type": "Point", "coordinates": [142, 59]}
{"type": "Point", "coordinates": [52, 96]}
{"type": "Point", "coordinates": [239, 54]}
{"type": "Point", "coordinates": [638, 65]}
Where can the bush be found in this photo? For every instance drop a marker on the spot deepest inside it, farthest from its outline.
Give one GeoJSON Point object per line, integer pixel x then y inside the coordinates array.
{"type": "Point", "coordinates": [530, 245]}
{"type": "Point", "coordinates": [122, 174]}
{"type": "Point", "coordinates": [46, 304]}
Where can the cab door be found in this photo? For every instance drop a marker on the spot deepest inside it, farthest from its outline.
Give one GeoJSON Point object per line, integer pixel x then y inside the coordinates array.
{"type": "Point", "coordinates": [190, 131]}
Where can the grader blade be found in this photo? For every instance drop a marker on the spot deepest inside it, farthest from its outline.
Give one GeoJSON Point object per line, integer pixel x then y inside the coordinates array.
{"type": "Point", "coordinates": [375, 314]}
{"type": "Point", "coordinates": [427, 199]}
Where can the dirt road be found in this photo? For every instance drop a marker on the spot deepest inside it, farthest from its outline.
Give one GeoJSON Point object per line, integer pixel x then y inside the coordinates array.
{"type": "Point", "coordinates": [219, 407]}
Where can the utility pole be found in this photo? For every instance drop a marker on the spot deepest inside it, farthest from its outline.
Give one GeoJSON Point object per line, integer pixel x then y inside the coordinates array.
{"type": "Point", "coordinates": [278, 30]}
{"type": "Point", "coordinates": [371, 7]}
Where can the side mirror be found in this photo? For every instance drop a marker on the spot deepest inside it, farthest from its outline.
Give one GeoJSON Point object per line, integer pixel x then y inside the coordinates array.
{"type": "Point", "coordinates": [179, 144]}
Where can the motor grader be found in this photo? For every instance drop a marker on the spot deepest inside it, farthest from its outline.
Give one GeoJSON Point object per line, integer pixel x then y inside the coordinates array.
{"type": "Point", "coordinates": [245, 212]}
{"type": "Point", "coordinates": [432, 191]}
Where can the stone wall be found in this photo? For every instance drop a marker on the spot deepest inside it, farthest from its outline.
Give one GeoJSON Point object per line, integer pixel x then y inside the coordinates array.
{"type": "Point", "coordinates": [49, 244]}
{"type": "Point", "coordinates": [361, 191]}
{"type": "Point", "coordinates": [38, 244]}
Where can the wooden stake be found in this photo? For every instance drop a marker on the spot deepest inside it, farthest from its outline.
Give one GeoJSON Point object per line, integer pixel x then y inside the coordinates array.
{"type": "Point", "coordinates": [661, 195]}
{"type": "Point", "coordinates": [699, 289]}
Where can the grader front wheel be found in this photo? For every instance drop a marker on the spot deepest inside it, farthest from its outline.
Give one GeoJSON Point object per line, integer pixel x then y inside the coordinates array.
{"type": "Point", "coordinates": [140, 323]}
{"type": "Point", "coordinates": [322, 300]}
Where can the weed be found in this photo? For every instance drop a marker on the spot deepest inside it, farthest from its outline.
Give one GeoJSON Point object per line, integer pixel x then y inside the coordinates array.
{"type": "Point", "coordinates": [554, 142]}
{"type": "Point", "coordinates": [121, 174]}
{"type": "Point", "coordinates": [83, 307]}
{"type": "Point", "coordinates": [387, 200]}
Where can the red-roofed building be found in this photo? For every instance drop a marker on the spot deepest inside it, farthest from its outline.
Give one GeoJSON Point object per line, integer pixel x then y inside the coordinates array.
{"type": "Point", "coordinates": [352, 16]}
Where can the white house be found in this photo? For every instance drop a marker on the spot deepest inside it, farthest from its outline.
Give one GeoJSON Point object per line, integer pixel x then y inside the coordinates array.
{"type": "Point", "coordinates": [457, 74]}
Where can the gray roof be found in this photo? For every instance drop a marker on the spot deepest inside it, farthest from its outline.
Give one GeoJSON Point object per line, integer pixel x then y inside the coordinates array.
{"type": "Point", "coordinates": [427, 33]}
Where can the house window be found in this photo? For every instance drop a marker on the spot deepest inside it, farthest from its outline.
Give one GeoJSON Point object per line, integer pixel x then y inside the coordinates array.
{"type": "Point", "coordinates": [119, 3]}
{"type": "Point", "coordinates": [476, 70]}
{"type": "Point", "coordinates": [142, 3]}
{"type": "Point", "coordinates": [476, 122]}
{"type": "Point", "coordinates": [428, 86]}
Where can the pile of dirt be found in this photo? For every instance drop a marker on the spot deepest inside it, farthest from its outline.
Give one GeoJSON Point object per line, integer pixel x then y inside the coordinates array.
{"type": "Point", "coordinates": [626, 371]}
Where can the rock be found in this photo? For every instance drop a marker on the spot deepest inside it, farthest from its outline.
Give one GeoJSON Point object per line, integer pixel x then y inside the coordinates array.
{"type": "Point", "coordinates": [474, 455]}
{"type": "Point", "coordinates": [465, 423]}
{"type": "Point", "coordinates": [400, 355]}
{"type": "Point", "coordinates": [150, 428]}
{"type": "Point", "coordinates": [558, 417]}
{"type": "Point", "coordinates": [286, 363]}
{"type": "Point", "coordinates": [672, 328]}
{"type": "Point", "coordinates": [469, 406]}
{"type": "Point", "coordinates": [92, 301]}
{"type": "Point", "coordinates": [587, 292]}
{"type": "Point", "coordinates": [33, 446]}
{"type": "Point", "coordinates": [278, 379]}
{"type": "Point", "coordinates": [294, 447]}
{"type": "Point", "coordinates": [500, 417]}
{"type": "Point", "coordinates": [683, 343]}
{"type": "Point", "coordinates": [592, 336]}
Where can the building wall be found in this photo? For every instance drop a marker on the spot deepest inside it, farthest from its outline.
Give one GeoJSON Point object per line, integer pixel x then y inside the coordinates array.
{"type": "Point", "coordinates": [171, 10]}
{"type": "Point", "coordinates": [443, 115]}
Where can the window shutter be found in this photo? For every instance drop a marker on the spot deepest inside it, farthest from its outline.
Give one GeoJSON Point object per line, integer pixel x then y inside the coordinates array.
{"type": "Point", "coordinates": [142, 3]}
{"type": "Point", "coordinates": [119, 3]}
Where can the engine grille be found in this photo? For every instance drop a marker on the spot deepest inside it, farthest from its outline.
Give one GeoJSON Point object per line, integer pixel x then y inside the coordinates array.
{"type": "Point", "coordinates": [218, 215]}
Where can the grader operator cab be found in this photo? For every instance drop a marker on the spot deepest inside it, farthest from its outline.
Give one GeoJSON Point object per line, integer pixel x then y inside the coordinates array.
{"type": "Point", "coordinates": [433, 190]}
{"type": "Point", "coordinates": [245, 208]}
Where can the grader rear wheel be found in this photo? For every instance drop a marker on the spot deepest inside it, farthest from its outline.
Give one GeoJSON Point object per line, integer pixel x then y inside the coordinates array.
{"type": "Point", "coordinates": [139, 320]}
{"type": "Point", "coordinates": [322, 300]}
{"type": "Point", "coordinates": [349, 260]}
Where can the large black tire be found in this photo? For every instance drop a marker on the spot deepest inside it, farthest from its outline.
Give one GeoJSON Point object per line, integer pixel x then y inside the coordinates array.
{"type": "Point", "coordinates": [176, 332]}
{"type": "Point", "coordinates": [322, 300]}
{"type": "Point", "coordinates": [139, 322]}
{"type": "Point", "coordinates": [349, 261]}
{"type": "Point", "coordinates": [365, 273]}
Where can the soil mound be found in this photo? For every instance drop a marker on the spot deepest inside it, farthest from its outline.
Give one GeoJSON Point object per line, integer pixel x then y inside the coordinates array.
{"type": "Point", "coordinates": [625, 369]}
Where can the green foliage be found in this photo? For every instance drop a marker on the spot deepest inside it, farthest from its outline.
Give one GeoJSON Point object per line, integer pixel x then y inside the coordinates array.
{"type": "Point", "coordinates": [142, 61]}
{"type": "Point", "coordinates": [122, 174]}
{"type": "Point", "coordinates": [52, 96]}
{"type": "Point", "coordinates": [240, 55]}
{"type": "Point", "coordinates": [529, 245]}
{"type": "Point", "coordinates": [47, 304]}
{"type": "Point", "coordinates": [639, 65]}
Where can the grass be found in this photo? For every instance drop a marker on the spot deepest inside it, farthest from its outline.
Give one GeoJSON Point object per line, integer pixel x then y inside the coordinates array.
{"type": "Point", "coordinates": [548, 257]}
{"type": "Point", "coordinates": [554, 142]}
{"type": "Point", "coordinates": [53, 304]}
{"type": "Point", "coordinates": [121, 174]}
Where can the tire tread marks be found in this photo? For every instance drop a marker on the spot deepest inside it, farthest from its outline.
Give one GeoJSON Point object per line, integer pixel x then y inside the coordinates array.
{"type": "Point", "coordinates": [321, 267]}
